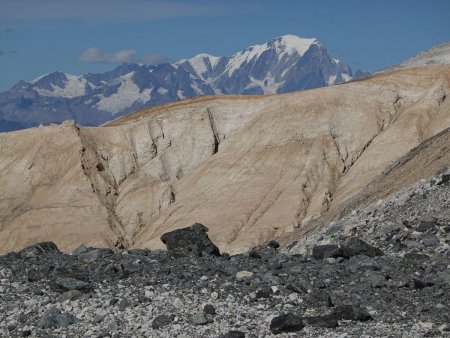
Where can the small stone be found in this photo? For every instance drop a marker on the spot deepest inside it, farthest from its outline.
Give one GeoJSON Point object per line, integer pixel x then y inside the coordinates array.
{"type": "Point", "coordinates": [36, 290]}
{"type": "Point", "coordinates": [198, 319]}
{"type": "Point", "coordinates": [274, 244]}
{"type": "Point", "coordinates": [444, 179]}
{"type": "Point", "coordinates": [418, 284]}
{"type": "Point", "coordinates": [286, 323]}
{"type": "Point", "coordinates": [429, 240]}
{"type": "Point", "coordinates": [209, 309]}
{"type": "Point", "coordinates": [124, 303]}
{"type": "Point", "coordinates": [214, 295]}
{"type": "Point", "coordinates": [23, 318]}
{"type": "Point", "coordinates": [161, 321]}
{"type": "Point", "coordinates": [177, 303]}
{"type": "Point", "coordinates": [301, 286]}
{"type": "Point", "coordinates": [98, 318]}
{"type": "Point", "coordinates": [233, 334]}
{"type": "Point", "coordinates": [426, 225]}
{"type": "Point", "coordinates": [69, 295]}
{"type": "Point", "coordinates": [243, 275]}
{"type": "Point", "coordinates": [112, 327]}
{"type": "Point", "coordinates": [26, 333]}
{"type": "Point", "coordinates": [53, 318]}
{"type": "Point", "coordinates": [293, 297]}
{"type": "Point", "coordinates": [264, 292]}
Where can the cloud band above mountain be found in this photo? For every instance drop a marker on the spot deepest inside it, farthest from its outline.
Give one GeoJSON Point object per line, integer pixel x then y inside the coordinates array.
{"type": "Point", "coordinates": [96, 55]}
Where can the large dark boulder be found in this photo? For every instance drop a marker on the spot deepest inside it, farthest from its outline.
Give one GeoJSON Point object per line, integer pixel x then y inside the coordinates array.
{"type": "Point", "coordinates": [327, 251]}
{"type": "Point", "coordinates": [286, 323]}
{"type": "Point", "coordinates": [191, 241]}
{"type": "Point", "coordinates": [356, 246]}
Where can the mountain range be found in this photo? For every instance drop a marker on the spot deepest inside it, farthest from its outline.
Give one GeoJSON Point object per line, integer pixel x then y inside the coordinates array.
{"type": "Point", "coordinates": [285, 64]}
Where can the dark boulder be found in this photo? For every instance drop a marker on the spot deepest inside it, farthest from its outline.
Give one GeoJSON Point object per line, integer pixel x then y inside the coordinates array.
{"type": "Point", "coordinates": [356, 246]}
{"type": "Point", "coordinates": [426, 225]}
{"type": "Point", "coordinates": [233, 334]}
{"type": "Point", "coordinates": [63, 284]}
{"type": "Point", "coordinates": [419, 284]}
{"type": "Point", "coordinates": [327, 251]}
{"type": "Point", "coordinates": [286, 323]}
{"type": "Point", "coordinates": [161, 321]}
{"type": "Point", "coordinates": [351, 312]}
{"type": "Point", "coordinates": [191, 241]}
{"type": "Point", "coordinates": [54, 319]}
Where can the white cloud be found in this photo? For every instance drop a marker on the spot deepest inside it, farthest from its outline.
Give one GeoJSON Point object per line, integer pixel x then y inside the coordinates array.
{"type": "Point", "coordinates": [96, 55]}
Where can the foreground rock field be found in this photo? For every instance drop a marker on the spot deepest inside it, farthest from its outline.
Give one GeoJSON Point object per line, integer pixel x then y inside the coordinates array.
{"type": "Point", "coordinates": [355, 282]}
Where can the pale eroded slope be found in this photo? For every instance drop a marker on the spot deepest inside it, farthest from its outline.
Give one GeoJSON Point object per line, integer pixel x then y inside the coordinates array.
{"type": "Point", "coordinates": [249, 168]}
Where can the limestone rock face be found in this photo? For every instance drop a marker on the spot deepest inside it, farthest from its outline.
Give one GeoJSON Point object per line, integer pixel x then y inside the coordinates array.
{"type": "Point", "coordinates": [249, 168]}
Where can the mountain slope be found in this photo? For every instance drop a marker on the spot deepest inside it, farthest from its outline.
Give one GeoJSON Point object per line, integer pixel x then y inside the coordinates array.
{"type": "Point", "coordinates": [250, 168]}
{"type": "Point", "coordinates": [436, 55]}
{"type": "Point", "coordinates": [282, 65]}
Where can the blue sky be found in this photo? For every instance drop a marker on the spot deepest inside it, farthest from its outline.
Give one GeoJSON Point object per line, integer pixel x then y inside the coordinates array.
{"type": "Point", "coordinates": [41, 36]}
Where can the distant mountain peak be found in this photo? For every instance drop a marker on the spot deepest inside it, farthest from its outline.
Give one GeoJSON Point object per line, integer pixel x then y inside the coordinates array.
{"type": "Point", "coordinates": [293, 44]}
{"type": "Point", "coordinates": [286, 63]}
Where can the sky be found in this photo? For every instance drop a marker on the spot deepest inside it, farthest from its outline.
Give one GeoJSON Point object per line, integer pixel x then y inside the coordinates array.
{"type": "Point", "coordinates": [79, 36]}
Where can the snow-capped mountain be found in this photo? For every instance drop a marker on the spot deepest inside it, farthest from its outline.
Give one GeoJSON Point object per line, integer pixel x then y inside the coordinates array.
{"type": "Point", "coordinates": [285, 64]}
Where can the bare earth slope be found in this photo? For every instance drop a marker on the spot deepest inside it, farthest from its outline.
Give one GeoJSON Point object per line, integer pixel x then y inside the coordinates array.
{"type": "Point", "coordinates": [249, 168]}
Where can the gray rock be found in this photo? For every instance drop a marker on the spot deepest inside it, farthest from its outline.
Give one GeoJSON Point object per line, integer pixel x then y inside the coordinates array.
{"type": "Point", "coordinates": [286, 323]}
{"type": "Point", "coordinates": [23, 318]}
{"type": "Point", "coordinates": [264, 292]}
{"type": "Point", "coordinates": [233, 334]}
{"type": "Point", "coordinates": [190, 241]}
{"type": "Point", "coordinates": [161, 321]}
{"type": "Point", "coordinates": [98, 318]}
{"type": "Point", "coordinates": [63, 284]}
{"type": "Point", "coordinates": [351, 312]}
{"type": "Point", "coordinates": [356, 246]}
{"type": "Point", "coordinates": [53, 319]}
{"type": "Point", "coordinates": [426, 225]}
{"type": "Point", "coordinates": [430, 240]}
{"type": "Point", "coordinates": [198, 319]}
{"type": "Point", "coordinates": [69, 295]}
{"type": "Point", "coordinates": [327, 251]}
{"type": "Point", "coordinates": [209, 309]}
